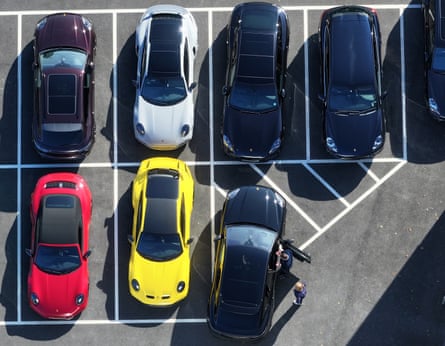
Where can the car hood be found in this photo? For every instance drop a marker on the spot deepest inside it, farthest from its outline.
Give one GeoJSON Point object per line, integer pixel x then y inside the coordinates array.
{"type": "Point", "coordinates": [163, 124]}
{"type": "Point", "coordinates": [436, 89]}
{"type": "Point", "coordinates": [57, 293]}
{"type": "Point", "coordinates": [354, 135]}
{"type": "Point", "coordinates": [161, 278]}
{"type": "Point", "coordinates": [252, 134]}
{"type": "Point", "coordinates": [64, 31]}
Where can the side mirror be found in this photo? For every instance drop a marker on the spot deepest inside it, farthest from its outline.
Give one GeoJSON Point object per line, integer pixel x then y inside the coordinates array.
{"type": "Point", "coordinates": [28, 252]}
{"type": "Point", "coordinates": [217, 238]}
{"type": "Point", "coordinates": [87, 254]}
{"type": "Point", "coordinates": [283, 93]}
{"type": "Point", "coordinates": [189, 241]}
{"type": "Point", "coordinates": [130, 239]}
{"type": "Point", "coordinates": [322, 98]}
{"type": "Point", "coordinates": [193, 86]}
{"type": "Point", "coordinates": [384, 94]}
{"type": "Point", "coordinates": [225, 90]}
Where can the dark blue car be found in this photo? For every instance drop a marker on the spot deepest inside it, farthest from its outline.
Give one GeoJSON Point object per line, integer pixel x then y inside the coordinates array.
{"type": "Point", "coordinates": [257, 45]}
{"type": "Point", "coordinates": [351, 78]}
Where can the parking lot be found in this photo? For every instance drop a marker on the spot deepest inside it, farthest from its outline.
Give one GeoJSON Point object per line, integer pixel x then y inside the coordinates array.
{"type": "Point", "coordinates": [375, 228]}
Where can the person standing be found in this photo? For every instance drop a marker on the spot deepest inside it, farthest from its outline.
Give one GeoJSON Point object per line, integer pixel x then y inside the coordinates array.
{"type": "Point", "coordinates": [299, 292]}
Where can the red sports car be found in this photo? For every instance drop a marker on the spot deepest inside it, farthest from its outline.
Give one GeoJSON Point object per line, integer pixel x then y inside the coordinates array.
{"type": "Point", "coordinates": [58, 281]}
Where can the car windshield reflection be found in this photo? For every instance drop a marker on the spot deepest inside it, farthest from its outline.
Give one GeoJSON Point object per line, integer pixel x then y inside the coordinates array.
{"type": "Point", "coordinates": [254, 98]}
{"type": "Point", "coordinates": [352, 101]}
{"type": "Point", "coordinates": [159, 247]}
{"type": "Point", "coordinates": [67, 58]}
{"type": "Point", "coordinates": [163, 91]}
{"type": "Point", "coordinates": [57, 259]}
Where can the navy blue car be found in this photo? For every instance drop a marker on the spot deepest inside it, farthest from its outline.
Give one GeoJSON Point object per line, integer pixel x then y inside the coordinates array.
{"type": "Point", "coordinates": [242, 300]}
{"type": "Point", "coordinates": [257, 45]}
{"type": "Point", "coordinates": [351, 78]}
{"type": "Point", "coordinates": [434, 21]}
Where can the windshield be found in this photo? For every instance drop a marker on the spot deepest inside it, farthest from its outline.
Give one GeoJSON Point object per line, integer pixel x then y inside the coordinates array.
{"type": "Point", "coordinates": [356, 100]}
{"type": "Point", "coordinates": [438, 63]}
{"type": "Point", "coordinates": [163, 91]}
{"type": "Point", "coordinates": [256, 98]}
{"type": "Point", "coordinates": [159, 247]}
{"type": "Point", "coordinates": [69, 58]}
{"type": "Point", "coordinates": [57, 259]}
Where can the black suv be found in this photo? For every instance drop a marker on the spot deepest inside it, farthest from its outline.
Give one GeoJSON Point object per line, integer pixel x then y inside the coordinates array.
{"type": "Point", "coordinates": [257, 45]}
{"type": "Point", "coordinates": [351, 78]}
{"type": "Point", "coordinates": [434, 16]}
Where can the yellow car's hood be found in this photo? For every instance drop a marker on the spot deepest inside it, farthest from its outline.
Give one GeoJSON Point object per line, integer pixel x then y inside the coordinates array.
{"type": "Point", "coordinates": [161, 279]}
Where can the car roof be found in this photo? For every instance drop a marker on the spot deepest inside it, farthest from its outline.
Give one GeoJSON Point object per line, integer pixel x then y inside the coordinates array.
{"type": "Point", "coordinates": [161, 210]}
{"type": "Point", "coordinates": [352, 54]}
{"type": "Point", "coordinates": [257, 46]}
{"type": "Point", "coordinates": [256, 57]}
{"type": "Point", "coordinates": [165, 41]}
{"type": "Point", "coordinates": [60, 217]}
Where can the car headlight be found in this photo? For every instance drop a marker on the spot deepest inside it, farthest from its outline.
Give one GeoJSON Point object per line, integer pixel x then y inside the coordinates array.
{"type": "Point", "coordinates": [433, 106]}
{"type": "Point", "coordinates": [79, 299]}
{"type": "Point", "coordinates": [378, 142]}
{"type": "Point", "coordinates": [275, 146]}
{"type": "Point", "coordinates": [181, 286]}
{"type": "Point", "coordinates": [140, 129]}
{"type": "Point", "coordinates": [86, 23]}
{"type": "Point", "coordinates": [41, 24]}
{"type": "Point", "coordinates": [34, 299]}
{"type": "Point", "coordinates": [135, 285]}
{"type": "Point", "coordinates": [228, 144]}
{"type": "Point", "coordinates": [185, 130]}
{"type": "Point", "coordinates": [331, 144]}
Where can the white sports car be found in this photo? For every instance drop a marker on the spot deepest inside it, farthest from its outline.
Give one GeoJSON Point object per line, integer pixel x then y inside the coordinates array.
{"type": "Point", "coordinates": [166, 46]}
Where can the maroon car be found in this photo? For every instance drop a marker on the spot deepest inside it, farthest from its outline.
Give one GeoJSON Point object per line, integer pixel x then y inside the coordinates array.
{"type": "Point", "coordinates": [63, 123]}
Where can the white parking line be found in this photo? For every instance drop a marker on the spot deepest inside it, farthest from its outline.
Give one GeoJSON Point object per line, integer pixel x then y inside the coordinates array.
{"type": "Point", "coordinates": [212, 149]}
{"type": "Point", "coordinates": [306, 85]}
{"type": "Point", "coordinates": [326, 185]}
{"type": "Point", "coordinates": [368, 171]}
{"type": "Point", "coordinates": [115, 170]}
{"type": "Point", "coordinates": [19, 169]}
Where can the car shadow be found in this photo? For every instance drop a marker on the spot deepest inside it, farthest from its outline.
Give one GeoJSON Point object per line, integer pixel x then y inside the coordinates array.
{"type": "Point", "coordinates": [413, 302]}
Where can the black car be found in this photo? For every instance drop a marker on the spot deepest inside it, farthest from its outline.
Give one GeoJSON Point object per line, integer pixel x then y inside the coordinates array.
{"type": "Point", "coordinates": [63, 124]}
{"type": "Point", "coordinates": [351, 79]}
{"type": "Point", "coordinates": [242, 299]}
{"type": "Point", "coordinates": [434, 24]}
{"type": "Point", "coordinates": [257, 45]}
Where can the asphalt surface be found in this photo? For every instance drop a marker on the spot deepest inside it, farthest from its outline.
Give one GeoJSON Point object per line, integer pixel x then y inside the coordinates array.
{"type": "Point", "coordinates": [375, 229]}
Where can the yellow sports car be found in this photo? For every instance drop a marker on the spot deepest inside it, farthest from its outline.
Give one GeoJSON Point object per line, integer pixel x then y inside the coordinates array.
{"type": "Point", "coordinates": [159, 268]}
